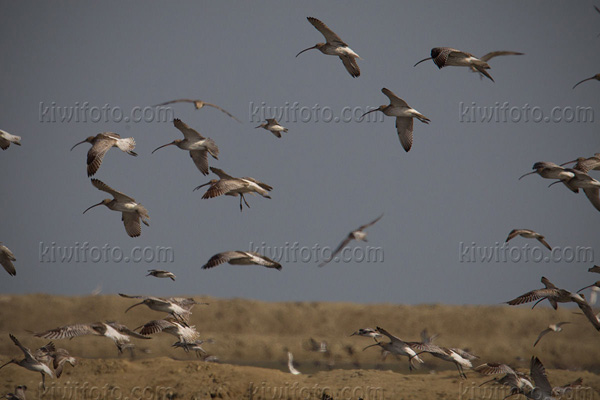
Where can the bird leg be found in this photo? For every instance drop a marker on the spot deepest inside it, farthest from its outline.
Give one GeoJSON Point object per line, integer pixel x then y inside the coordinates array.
{"type": "Point", "coordinates": [460, 371]}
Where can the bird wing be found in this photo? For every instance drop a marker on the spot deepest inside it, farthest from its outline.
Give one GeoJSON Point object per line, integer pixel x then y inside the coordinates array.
{"type": "Point", "coordinates": [389, 335]}
{"type": "Point", "coordinates": [155, 326]}
{"type": "Point", "coordinates": [542, 333]}
{"type": "Point", "coordinates": [329, 35]}
{"type": "Point", "coordinates": [223, 110]}
{"type": "Point", "coordinates": [493, 54]}
{"type": "Point", "coordinates": [4, 144]}
{"type": "Point", "coordinates": [223, 186]}
{"type": "Point", "coordinates": [132, 224]}
{"type": "Point", "coordinates": [337, 250]}
{"type": "Point", "coordinates": [589, 313]}
{"type": "Point", "coordinates": [542, 241]}
{"type": "Point", "coordinates": [363, 227]}
{"type": "Point", "coordinates": [513, 234]}
{"type": "Point", "coordinates": [538, 373]}
{"type": "Point", "coordinates": [259, 259]}
{"type": "Point", "coordinates": [200, 158]}
{"type": "Point", "coordinates": [443, 54]}
{"type": "Point", "coordinates": [96, 153]}
{"type": "Point", "coordinates": [593, 195]}
{"type": "Point", "coordinates": [261, 184]}
{"type": "Point", "coordinates": [404, 127]}
{"type": "Point", "coordinates": [175, 101]}
{"type": "Point", "coordinates": [98, 184]}
{"type": "Point", "coordinates": [394, 100]}
{"type": "Point", "coordinates": [547, 283]}
{"type": "Point", "coordinates": [6, 259]}
{"type": "Point", "coordinates": [224, 257]}
{"type": "Point", "coordinates": [494, 368]}
{"type": "Point", "coordinates": [220, 173]}
{"type": "Point", "coordinates": [189, 133]}
{"type": "Point", "coordinates": [351, 65]}
{"type": "Point", "coordinates": [24, 349]}
{"type": "Point", "coordinates": [125, 330]}
{"type": "Point", "coordinates": [68, 331]}
{"type": "Point", "coordinates": [530, 296]}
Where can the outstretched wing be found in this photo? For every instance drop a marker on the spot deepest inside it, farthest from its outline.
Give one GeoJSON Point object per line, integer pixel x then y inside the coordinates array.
{"type": "Point", "coordinates": [329, 35]}
{"type": "Point", "coordinates": [98, 184]}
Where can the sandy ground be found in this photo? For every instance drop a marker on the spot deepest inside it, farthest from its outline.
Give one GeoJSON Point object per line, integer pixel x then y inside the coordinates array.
{"type": "Point", "coordinates": [252, 338]}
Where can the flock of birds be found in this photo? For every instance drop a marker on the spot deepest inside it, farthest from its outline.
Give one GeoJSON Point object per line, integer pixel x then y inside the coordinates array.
{"type": "Point", "coordinates": [49, 360]}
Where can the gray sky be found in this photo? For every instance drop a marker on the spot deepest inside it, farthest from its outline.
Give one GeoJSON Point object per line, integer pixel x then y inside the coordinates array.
{"type": "Point", "coordinates": [459, 183]}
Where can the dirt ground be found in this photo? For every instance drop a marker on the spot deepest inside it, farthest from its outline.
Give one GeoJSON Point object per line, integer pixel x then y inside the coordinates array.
{"type": "Point", "coordinates": [251, 340]}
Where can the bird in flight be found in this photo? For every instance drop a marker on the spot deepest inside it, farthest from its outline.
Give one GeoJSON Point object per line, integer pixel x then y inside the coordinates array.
{"type": "Point", "coordinates": [446, 56]}
{"type": "Point", "coordinates": [529, 234]}
{"type": "Point", "coordinates": [241, 258]}
{"type": "Point", "coordinates": [358, 234]}
{"type": "Point", "coordinates": [198, 104]}
{"type": "Point", "coordinates": [101, 143]}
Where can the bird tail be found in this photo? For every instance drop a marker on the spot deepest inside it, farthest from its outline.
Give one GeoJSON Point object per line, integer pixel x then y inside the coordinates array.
{"type": "Point", "coordinates": [127, 145]}
{"type": "Point", "coordinates": [212, 148]}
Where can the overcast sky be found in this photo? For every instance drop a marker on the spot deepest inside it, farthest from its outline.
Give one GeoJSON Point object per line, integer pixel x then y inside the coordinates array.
{"type": "Point", "coordinates": [458, 184]}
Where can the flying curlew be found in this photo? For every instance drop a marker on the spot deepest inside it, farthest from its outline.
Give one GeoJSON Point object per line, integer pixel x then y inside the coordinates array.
{"type": "Point", "coordinates": [178, 307]}
{"type": "Point", "coordinates": [446, 56]}
{"type": "Point", "coordinates": [529, 234]}
{"type": "Point", "coordinates": [517, 381]}
{"type": "Point", "coordinates": [404, 117]}
{"type": "Point", "coordinates": [6, 259]}
{"type": "Point", "coordinates": [549, 170]}
{"type": "Point", "coordinates": [581, 180]}
{"type": "Point", "coordinates": [198, 104]}
{"type": "Point", "coordinates": [230, 186]}
{"type": "Point", "coordinates": [273, 126]}
{"type": "Point", "coordinates": [101, 143]}
{"type": "Point", "coordinates": [159, 273]}
{"type": "Point", "coordinates": [459, 357]}
{"type": "Point", "coordinates": [241, 258]}
{"type": "Point", "coordinates": [398, 346]}
{"type": "Point", "coordinates": [551, 328]}
{"type": "Point", "coordinates": [132, 212]}
{"type": "Point", "coordinates": [596, 77]}
{"type": "Point", "coordinates": [116, 332]}
{"type": "Point", "coordinates": [6, 139]}
{"type": "Point", "coordinates": [34, 361]}
{"type": "Point", "coordinates": [358, 234]}
{"type": "Point", "coordinates": [196, 144]}
{"type": "Point", "coordinates": [584, 164]}
{"type": "Point", "coordinates": [181, 330]}
{"type": "Point", "coordinates": [335, 46]}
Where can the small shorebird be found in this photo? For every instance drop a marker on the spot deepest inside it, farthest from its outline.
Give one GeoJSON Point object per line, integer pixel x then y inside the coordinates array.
{"type": "Point", "coordinates": [273, 126]}
{"type": "Point", "coordinates": [549, 170]}
{"type": "Point", "coordinates": [584, 164]}
{"type": "Point", "coordinates": [159, 273]}
{"type": "Point", "coordinates": [6, 259]}
{"type": "Point", "coordinates": [196, 144]}
{"type": "Point", "coordinates": [404, 117]}
{"type": "Point", "coordinates": [131, 211]}
{"type": "Point", "coordinates": [194, 346]}
{"type": "Point", "coordinates": [368, 332]}
{"type": "Point", "coordinates": [198, 104]}
{"type": "Point", "coordinates": [6, 139]}
{"type": "Point", "coordinates": [116, 332]}
{"type": "Point", "coordinates": [596, 77]}
{"type": "Point", "coordinates": [551, 328]}
{"type": "Point", "coordinates": [529, 234]}
{"type": "Point", "coordinates": [335, 46]}
{"type": "Point", "coordinates": [181, 330]}
{"type": "Point", "coordinates": [487, 57]}
{"type": "Point", "coordinates": [19, 393]}
{"type": "Point", "coordinates": [459, 357]}
{"type": "Point", "coordinates": [241, 258]}
{"type": "Point", "coordinates": [178, 307]}
{"type": "Point", "coordinates": [293, 370]}
{"type": "Point", "coordinates": [101, 143]}
{"type": "Point", "coordinates": [230, 186]}
{"type": "Point", "coordinates": [358, 234]}
{"type": "Point", "coordinates": [33, 361]}
{"type": "Point", "coordinates": [399, 347]}
{"type": "Point", "coordinates": [446, 56]}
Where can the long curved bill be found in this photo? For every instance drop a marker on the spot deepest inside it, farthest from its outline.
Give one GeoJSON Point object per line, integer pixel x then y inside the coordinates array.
{"type": "Point", "coordinates": [568, 162]}
{"type": "Point", "coordinates": [164, 145]}
{"type": "Point", "coordinates": [136, 304]}
{"type": "Point", "coordinates": [95, 205]}
{"type": "Point", "coordinates": [310, 48]}
{"type": "Point", "coordinates": [198, 187]}
{"type": "Point", "coordinates": [587, 287]}
{"type": "Point", "coordinates": [554, 183]}
{"type": "Point", "coordinates": [585, 80]}
{"type": "Point", "coordinates": [529, 173]}
{"type": "Point", "coordinates": [77, 144]}
{"type": "Point", "coordinates": [425, 59]}
{"type": "Point", "coordinates": [368, 112]}
{"type": "Point", "coordinates": [371, 345]}
{"type": "Point", "coordinates": [260, 126]}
